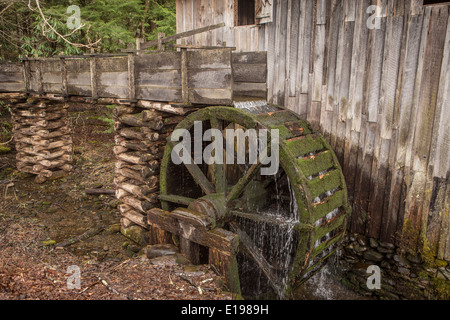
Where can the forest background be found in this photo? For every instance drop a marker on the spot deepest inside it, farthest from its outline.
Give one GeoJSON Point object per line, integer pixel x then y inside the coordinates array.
{"type": "Point", "coordinates": [44, 28]}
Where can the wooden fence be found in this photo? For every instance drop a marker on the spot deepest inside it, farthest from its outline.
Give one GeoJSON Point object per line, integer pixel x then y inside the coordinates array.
{"type": "Point", "coordinates": [377, 85]}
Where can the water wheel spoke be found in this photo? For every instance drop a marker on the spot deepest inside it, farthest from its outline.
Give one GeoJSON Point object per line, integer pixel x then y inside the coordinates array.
{"type": "Point", "coordinates": [176, 199]}
{"type": "Point", "coordinates": [247, 244]}
{"type": "Point", "coordinates": [200, 178]}
{"type": "Point", "coordinates": [218, 170]}
{"type": "Point", "coordinates": [237, 189]}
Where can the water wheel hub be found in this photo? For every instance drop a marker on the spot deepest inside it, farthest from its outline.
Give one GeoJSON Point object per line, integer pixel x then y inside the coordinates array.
{"type": "Point", "coordinates": [213, 205]}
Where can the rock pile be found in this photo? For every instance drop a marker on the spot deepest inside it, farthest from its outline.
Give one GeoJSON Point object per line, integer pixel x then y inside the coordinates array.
{"type": "Point", "coordinates": [403, 275]}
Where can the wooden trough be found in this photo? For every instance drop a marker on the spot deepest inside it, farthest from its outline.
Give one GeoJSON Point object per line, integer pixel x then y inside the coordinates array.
{"type": "Point", "coordinates": [207, 76]}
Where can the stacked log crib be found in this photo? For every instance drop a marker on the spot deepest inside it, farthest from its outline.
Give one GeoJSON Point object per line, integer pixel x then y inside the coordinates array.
{"type": "Point", "coordinates": [43, 139]}
{"type": "Point", "coordinates": [140, 138]}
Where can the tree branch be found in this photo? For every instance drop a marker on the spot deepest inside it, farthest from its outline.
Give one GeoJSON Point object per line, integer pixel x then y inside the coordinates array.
{"type": "Point", "coordinates": [78, 45]}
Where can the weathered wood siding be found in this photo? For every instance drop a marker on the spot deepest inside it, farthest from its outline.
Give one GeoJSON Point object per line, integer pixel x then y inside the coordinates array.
{"type": "Point", "coordinates": [379, 95]}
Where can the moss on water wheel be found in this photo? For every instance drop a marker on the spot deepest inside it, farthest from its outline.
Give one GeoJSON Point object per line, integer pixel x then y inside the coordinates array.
{"type": "Point", "coordinates": [303, 204]}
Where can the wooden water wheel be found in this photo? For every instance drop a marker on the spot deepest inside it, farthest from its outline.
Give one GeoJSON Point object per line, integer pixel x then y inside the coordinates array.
{"type": "Point", "coordinates": [265, 233]}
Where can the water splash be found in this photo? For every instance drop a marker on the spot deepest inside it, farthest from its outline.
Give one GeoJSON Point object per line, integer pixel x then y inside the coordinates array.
{"type": "Point", "coordinates": [320, 282]}
{"type": "Point", "coordinates": [255, 107]}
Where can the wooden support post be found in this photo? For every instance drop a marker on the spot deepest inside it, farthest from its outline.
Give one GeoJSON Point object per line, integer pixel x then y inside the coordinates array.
{"type": "Point", "coordinates": [64, 88]}
{"type": "Point", "coordinates": [184, 77]}
{"type": "Point", "coordinates": [159, 236]}
{"type": "Point", "coordinates": [190, 249]}
{"type": "Point", "coordinates": [93, 71]}
{"type": "Point", "coordinates": [40, 88]}
{"type": "Point", "coordinates": [27, 75]}
{"type": "Point", "coordinates": [131, 77]}
{"type": "Point", "coordinates": [227, 265]}
{"type": "Point", "coordinates": [161, 36]}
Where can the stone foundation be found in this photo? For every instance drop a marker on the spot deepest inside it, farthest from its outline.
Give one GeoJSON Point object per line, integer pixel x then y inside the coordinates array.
{"type": "Point", "coordinates": [403, 275]}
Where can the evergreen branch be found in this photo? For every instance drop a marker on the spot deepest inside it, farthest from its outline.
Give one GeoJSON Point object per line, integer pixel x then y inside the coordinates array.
{"type": "Point", "coordinates": [78, 45]}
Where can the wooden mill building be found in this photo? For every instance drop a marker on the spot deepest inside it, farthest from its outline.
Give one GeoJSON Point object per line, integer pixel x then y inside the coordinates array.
{"type": "Point", "coordinates": [374, 77]}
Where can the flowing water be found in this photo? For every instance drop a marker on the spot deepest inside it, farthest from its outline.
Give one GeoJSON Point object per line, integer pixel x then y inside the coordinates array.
{"type": "Point", "coordinates": [255, 107]}
{"type": "Point", "coordinates": [276, 242]}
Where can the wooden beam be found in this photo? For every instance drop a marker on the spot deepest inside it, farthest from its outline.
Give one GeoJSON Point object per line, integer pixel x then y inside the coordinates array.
{"type": "Point", "coordinates": [177, 36]}
{"type": "Point", "coordinates": [187, 46]}
{"type": "Point", "coordinates": [217, 238]}
{"type": "Point", "coordinates": [184, 77]}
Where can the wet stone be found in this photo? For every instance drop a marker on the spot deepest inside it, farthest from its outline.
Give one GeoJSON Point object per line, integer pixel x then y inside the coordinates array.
{"type": "Point", "coordinates": [373, 243]}
{"type": "Point", "coordinates": [414, 258]}
{"type": "Point", "coordinates": [362, 242]}
{"type": "Point", "coordinates": [360, 249]}
{"type": "Point", "coordinates": [387, 245]}
{"type": "Point", "coordinates": [401, 260]}
{"type": "Point", "coordinates": [403, 271]}
{"type": "Point", "coordinates": [373, 255]}
{"type": "Point", "coordinates": [384, 250]}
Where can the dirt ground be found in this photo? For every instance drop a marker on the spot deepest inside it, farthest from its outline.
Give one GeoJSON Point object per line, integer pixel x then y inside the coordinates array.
{"type": "Point", "coordinates": [33, 217]}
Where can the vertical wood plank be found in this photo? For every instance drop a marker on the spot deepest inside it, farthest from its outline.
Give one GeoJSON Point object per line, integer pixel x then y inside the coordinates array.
{"type": "Point", "coordinates": [262, 31]}
{"type": "Point", "coordinates": [131, 77]}
{"type": "Point", "coordinates": [189, 20]}
{"type": "Point", "coordinates": [439, 161]}
{"type": "Point", "coordinates": [93, 73]}
{"type": "Point", "coordinates": [390, 73]}
{"type": "Point", "coordinates": [444, 237]}
{"type": "Point", "coordinates": [64, 77]}
{"type": "Point", "coordinates": [360, 43]}
{"type": "Point", "coordinates": [27, 75]}
{"type": "Point", "coordinates": [416, 203]}
{"type": "Point", "coordinates": [385, 120]}
{"type": "Point", "coordinates": [293, 47]}
{"type": "Point", "coordinates": [180, 4]}
{"type": "Point", "coordinates": [321, 12]}
{"type": "Point", "coordinates": [288, 53]}
{"type": "Point", "coordinates": [307, 38]}
{"type": "Point", "coordinates": [376, 66]}
{"type": "Point", "coordinates": [197, 15]}
{"type": "Point", "coordinates": [441, 144]}
{"type": "Point", "coordinates": [332, 56]}
{"type": "Point", "coordinates": [319, 54]}
{"type": "Point", "coordinates": [416, 7]}
{"type": "Point", "coordinates": [406, 113]}
{"type": "Point", "coordinates": [184, 76]}
{"type": "Point", "coordinates": [271, 53]}
{"type": "Point", "coordinates": [345, 71]}
{"type": "Point", "coordinates": [40, 88]}
{"type": "Point", "coordinates": [300, 44]}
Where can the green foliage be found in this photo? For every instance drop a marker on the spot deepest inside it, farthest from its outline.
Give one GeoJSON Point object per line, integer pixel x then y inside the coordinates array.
{"type": "Point", "coordinates": [116, 23]}
{"type": "Point", "coordinates": [164, 16]}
